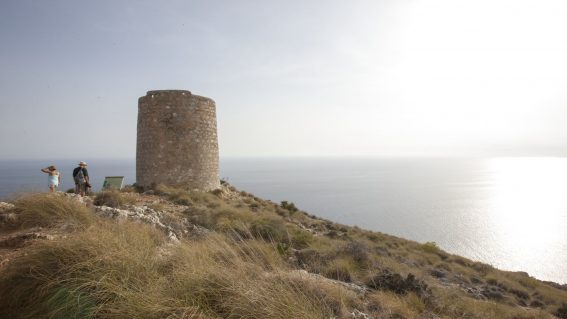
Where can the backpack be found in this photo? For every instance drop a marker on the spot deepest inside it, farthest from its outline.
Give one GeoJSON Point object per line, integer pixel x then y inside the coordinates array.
{"type": "Point", "coordinates": [80, 177]}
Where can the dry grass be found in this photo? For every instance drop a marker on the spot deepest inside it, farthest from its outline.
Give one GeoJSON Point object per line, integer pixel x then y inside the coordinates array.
{"type": "Point", "coordinates": [258, 284]}
{"type": "Point", "coordinates": [127, 270]}
{"type": "Point", "coordinates": [50, 210]}
{"type": "Point", "coordinates": [182, 196]}
{"type": "Point", "coordinates": [390, 305]}
{"type": "Point", "coordinates": [115, 198]}
{"type": "Point", "coordinates": [248, 268]}
{"type": "Point", "coordinates": [452, 303]}
{"type": "Point", "coordinates": [87, 273]}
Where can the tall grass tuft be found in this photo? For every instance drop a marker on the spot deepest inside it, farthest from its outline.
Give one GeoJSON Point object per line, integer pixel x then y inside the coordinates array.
{"type": "Point", "coordinates": [95, 273]}
{"type": "Point", "coordinates": [257, 285]}
{"type": "Point", "coordinates": [126, 270]}
{"type": "Point", "coordinates": [51, 210]}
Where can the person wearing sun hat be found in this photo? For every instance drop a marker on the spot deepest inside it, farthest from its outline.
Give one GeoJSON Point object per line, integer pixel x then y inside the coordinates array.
{"type": "Point", "coordinates": [81, 177]}
{"type": "Point", "coordinates": [54, 177]}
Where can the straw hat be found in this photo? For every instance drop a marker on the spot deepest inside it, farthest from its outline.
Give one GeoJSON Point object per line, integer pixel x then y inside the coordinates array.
{"type": "Point", "coordinates": [82, 163]}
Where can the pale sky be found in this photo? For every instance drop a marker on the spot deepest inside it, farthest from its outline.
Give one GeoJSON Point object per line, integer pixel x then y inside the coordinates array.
{"type": "Point", "coordinates": [290, 78]}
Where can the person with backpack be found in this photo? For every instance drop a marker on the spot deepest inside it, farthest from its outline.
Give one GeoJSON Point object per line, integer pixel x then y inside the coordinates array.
{"type": "Point", "coordinates": [81, 177]}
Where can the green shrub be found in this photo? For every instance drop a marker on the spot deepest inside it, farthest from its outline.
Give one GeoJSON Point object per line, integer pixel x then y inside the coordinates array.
{"type": "Point", "coordinates": [216, 192]}
{"type": "Point", "coordinates": [562, 311]}
{"type": "Point", "coordinates": [430, 247]}
{"type": "Point", "coordinates": [358, 251]}
{"type": "Point", "coordinates": [389, 280]}
{"type": "Point", "coordinates": [300, 238]}
{"type": "Point", "coordinates": [282, 212]}
{"type": "Point", "coordinates": [289, 206]}
{"type": "Point", "coordinates": [269, 230]}
{"type": "Point", "coordinates": [132, 189]}
{"type": "Point", "coordinates": [182, 199]}
{"type": "Point", "coordinates": [109, 198]}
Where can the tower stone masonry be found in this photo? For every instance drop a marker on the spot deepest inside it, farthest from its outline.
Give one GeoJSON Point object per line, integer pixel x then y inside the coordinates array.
{"type": "Point", "coordinates": [177, 142]}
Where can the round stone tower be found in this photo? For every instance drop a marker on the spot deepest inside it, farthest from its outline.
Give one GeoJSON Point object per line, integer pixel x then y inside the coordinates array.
{"type": "Point", "coordinates": [177, 140]}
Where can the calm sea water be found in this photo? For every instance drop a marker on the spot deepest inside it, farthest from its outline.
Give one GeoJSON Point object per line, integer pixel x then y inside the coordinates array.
{"type": "Point", "coordinates": [508, 212]}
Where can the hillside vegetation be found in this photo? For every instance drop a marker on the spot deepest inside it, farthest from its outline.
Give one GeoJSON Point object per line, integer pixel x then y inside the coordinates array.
{"type": "Point", "coordinates": [172, 253]}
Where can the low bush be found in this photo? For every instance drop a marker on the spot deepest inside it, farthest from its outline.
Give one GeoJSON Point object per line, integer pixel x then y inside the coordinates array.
{"type": "Point", "coordinates": [300, 238]}
{"type": "Point", "coordinates": [132, 189]}
{"type": "Point", "coordinates": [269, 230]}
{"type": "Point", "coordinates": [109, 198]}
{"type": "Point", "coordinates": [389, 280]}
{"type": "Point", "coordinates": [358, 251]}
{"type": "Point", "coordinates": [216, 192]}
{"type": "Point", "coordinates": [562, 311]}
{"type": "Point", "coordinates": [430, 247]}
{"type": "Point", "coordinates": [289, 206]}
{"type": "Point", "coordinates": [182, 199]}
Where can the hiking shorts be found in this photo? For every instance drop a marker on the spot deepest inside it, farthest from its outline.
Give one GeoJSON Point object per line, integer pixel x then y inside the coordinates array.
{"type": "Point", "coordinates": [81, 188]}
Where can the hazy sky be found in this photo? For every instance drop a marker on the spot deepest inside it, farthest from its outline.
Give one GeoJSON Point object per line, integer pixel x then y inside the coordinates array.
{"type": "Point", "coordinates": [290, 78]}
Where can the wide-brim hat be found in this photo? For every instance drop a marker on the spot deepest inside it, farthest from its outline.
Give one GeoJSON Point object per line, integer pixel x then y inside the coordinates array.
{"type": "Point", "coordinates": [82, 163]}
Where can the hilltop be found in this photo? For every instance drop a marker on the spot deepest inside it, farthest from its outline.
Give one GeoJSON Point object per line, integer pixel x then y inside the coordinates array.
{"type": "Point", "coordinates": [173, 253]}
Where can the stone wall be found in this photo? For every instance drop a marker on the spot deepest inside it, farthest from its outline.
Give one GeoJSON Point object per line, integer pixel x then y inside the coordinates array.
{"type": "Point", "coordinates": [177, 141]}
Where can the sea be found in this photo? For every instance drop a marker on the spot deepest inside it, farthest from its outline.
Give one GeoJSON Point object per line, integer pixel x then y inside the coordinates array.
{"type": "Point", "coordinates": [509, 212]}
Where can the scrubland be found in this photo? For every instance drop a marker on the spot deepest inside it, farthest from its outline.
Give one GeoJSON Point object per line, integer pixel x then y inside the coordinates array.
{"type": "Point", "coordinates": [235, 255]}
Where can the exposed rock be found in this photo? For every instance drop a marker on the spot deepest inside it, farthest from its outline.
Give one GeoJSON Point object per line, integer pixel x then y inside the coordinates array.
{"type": "Point", "coordinates": [198, 231]}
{"type": "Point", "coordinates": [140, 213]}
{"type": "Point", "coordinates": [357, 314]}
{"type": "Point", "coordinates": [5, 206]}
{"type": "Point", "coordinates": [82, 199]}
{"type": "Point", "coordinates": [473, 291]}
{"type": "Point", "coordinates": [350, 286]}
{"type": "Point", "coordinates": [6, 215]}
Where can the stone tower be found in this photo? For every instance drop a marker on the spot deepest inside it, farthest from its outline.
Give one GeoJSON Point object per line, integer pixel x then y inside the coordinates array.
{"type": "Point", "coordinates": [177, 140]}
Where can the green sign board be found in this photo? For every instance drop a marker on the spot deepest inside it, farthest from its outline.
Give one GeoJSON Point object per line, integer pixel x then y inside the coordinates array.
{"type": "Point", "coordinates": [114, 182]}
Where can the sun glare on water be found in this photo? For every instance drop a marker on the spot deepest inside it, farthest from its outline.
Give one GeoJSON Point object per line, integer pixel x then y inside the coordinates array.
{"type": "Point", "coordinates": [528, 211]}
